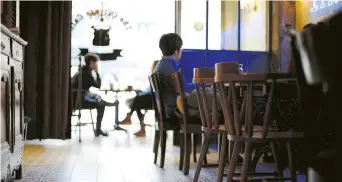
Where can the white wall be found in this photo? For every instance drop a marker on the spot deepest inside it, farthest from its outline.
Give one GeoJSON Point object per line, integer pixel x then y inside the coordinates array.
{"type": "Point", "coordinates": [140, 45]}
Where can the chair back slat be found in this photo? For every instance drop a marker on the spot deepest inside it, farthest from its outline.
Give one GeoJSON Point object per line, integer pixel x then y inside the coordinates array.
{"type": "Point", "coordinates": [154, 103]}
{"type": "Point", "coordinates": [179, 88]}
{"type": "Point", "coordinates": [206, 105]}
{"type": "Point", "coordinates": [249, 118]}
{"type": "Point", "coordinates": [204, 79]}
{"type": "Point", "coordinates": [200, 104]}
{"type": "Point", "coordinates": [237, 120]}
{"type": "Point", "coordinates": [158, 96]}
{"type": "Point", "coordinates": [76, 93]}
{"type": "Point", "coordinates": [268, 109]}
{"type": "Point", "coordinates": [243, 108]}
{"type": "Point", "coordinates": [226, 108]}
{"type": "Point", "coordinates": [215, 113]}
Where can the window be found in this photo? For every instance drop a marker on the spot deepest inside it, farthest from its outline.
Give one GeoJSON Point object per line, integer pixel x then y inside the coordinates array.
{"type": "Point", "coordinates": [214, 24]}
{"type": "Point", "coordinates": [193, 24]}
{"type": "Point", "coordinates": [254, 27]}
{"type": "Point", "coordinates": [229, 25]}
{"type": "Point", "coordinates": [9, 13]}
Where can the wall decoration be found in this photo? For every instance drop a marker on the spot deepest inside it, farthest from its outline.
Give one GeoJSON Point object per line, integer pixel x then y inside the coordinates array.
{"type": "Point", "coordinates": [75, 21]}
{"type": "Point", "coordinates": [322, 8]}
{"type": "Point", "coordinates": [198, 26]}
{"type": "Point", "coordinates": [101, 14]}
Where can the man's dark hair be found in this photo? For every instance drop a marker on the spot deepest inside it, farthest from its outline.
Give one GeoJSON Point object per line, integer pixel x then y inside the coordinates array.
{"type": "Point", "coordinates": [308, 25]}
{"type": "Point", "coordinates": [90, 57]}
{"type": "Point", "coordinates": [169, 43]}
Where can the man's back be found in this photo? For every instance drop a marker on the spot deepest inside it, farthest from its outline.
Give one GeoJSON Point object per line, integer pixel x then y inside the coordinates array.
{"type": "Point", "coordinates": [165, 68]}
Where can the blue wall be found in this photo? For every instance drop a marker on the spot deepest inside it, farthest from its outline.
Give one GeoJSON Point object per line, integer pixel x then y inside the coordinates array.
{"type": "Point", "coordinates": [252, 61]}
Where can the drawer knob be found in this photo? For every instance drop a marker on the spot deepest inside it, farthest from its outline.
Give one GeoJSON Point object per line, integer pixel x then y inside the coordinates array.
{"type": "Point", "coordinates": [3, 46]}
{"type": "Point", "coordinates": [17, 53]}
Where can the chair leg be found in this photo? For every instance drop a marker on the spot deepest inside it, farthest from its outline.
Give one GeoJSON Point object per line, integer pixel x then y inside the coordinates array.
{"type": "Point", "coordinates": [219, 143]}
{"type": "Point", "coordinates": [233, 161]}
{"type": "Point", "coordinates": [203, 153]}
{"type": "Point", "coordinates": [181, 154]}
{"type": "Point", "coordinates": [194, 137]}
{"type": "Point", "coordinates": [79, 127]}
{"type": "Point", "coordinates": [156, 145]}
{"type": "Point", "coordinates": [246, 162]}
{"type": "Point", "coordinates": [92, 121]}
{"type": "Point", "coordinates": [275, 154]}
{"type": "Point", "coordinates": [222, 159]}
{"type": "Point", "coordinates": [205, 157]}
{"type": "Point", "coordinates": [230, 149]}
{"type": "Point", "coordinates": [291, 162]}
{"type": "Point", "coordinates": [163, 149]}
{"type": "Point", "coordinates": [256, 158]}
{"type": "Point", "coordinates": [187, 147]}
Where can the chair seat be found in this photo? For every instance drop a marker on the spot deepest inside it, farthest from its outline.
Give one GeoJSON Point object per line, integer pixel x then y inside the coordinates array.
{"type": "Point", "coordinates": [191, 119]}
{"type": "Point", "coordinates": [169, 125]}
{"type": "Point", "coordinates": [271, 135]}
{"type": "Point", "coordinates": [255, 128]}
{"type": "Point", "coordinates": [192, 128]}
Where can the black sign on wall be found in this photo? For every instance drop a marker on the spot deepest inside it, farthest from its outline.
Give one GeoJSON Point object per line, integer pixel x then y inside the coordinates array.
{"type": "Point", "coordinates": [103, 56]}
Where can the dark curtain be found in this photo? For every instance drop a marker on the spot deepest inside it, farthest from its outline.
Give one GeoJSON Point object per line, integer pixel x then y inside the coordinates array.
{"type": "Point", "coordinates": [46, 27]}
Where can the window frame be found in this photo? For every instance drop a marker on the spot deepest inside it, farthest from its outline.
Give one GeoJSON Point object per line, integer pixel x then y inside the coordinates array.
{"type": "Point", "coordinates": [269, 24]}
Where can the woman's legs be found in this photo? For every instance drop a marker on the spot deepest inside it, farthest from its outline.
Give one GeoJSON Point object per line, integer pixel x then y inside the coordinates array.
{"type": "Point", "coordinates": [141, 132]}
{"type": "Point", "coordinates": [142, 101]}
{"type": "Point", "coordinates": [127, 120]}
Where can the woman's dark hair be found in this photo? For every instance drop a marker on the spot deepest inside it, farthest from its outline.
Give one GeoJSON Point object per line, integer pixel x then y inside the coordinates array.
{"type": "Point", "coordinates": [90, 57]}
{"type": "Point", "coordinates": [308, 26]}
{"type": "Point", "coordinates": [169, 43]}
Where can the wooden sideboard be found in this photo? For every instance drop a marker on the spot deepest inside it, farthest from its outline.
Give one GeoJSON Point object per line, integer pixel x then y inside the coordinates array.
{"type": "Point", "coordinates": [12, 125]}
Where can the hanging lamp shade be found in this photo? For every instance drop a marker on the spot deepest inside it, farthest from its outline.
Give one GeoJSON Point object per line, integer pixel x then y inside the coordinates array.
{"type": "Point", "coordinates": [101, 37]}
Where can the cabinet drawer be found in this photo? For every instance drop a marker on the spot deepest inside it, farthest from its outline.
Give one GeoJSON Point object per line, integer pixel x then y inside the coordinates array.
{"type": "Point", "coordinates": [5, 44]}
{"type": "Point", "coordinates": [17, 51]}
{"type": "Point", "coordinates": [4, 64]}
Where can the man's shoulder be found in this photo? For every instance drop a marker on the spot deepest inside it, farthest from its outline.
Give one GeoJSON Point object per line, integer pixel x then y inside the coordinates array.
{"type": "Point", "coordinates": [164, 66]}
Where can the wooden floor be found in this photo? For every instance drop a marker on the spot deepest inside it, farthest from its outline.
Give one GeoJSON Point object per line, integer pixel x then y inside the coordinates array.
{"type": "Point", "coordinates": [119, 157]}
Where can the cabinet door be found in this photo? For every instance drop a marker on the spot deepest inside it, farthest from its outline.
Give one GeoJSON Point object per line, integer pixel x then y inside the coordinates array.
{"type": "Point", "coordinates": [18, 103]}
{"type": "Point", "coordinates": [6, 133]}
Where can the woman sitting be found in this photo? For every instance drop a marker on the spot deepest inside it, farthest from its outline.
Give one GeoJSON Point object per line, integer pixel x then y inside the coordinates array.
{"type": "Point", "coordinates": [143, 100]}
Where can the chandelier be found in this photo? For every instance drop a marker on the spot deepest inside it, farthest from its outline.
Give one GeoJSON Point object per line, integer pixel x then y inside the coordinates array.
{"type": "Point", "coordinates": [249, 5]}
{"type": "Point", "coordinates": [102, 14]}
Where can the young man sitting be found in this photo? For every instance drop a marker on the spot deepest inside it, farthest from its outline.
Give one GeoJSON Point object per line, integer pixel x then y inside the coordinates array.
{"type": "Point", "coordinates": [91, 100]}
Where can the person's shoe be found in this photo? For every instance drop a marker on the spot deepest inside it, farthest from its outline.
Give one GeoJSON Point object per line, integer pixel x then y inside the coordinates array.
{"type": "Point", "coordinates": [268, 158]}
{"type": "Point", "coordinates": [240, 159]}
{"type": "Point", "coordinates": [140, 133]}
{"type": "Point", "coordinates": [100, 132]}
{"type": "Point", "coordinates": [127, 120]}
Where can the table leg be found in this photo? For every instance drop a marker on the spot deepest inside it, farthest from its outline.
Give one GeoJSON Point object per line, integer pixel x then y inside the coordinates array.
{"type": "Point", "coordinates": [116, 125]}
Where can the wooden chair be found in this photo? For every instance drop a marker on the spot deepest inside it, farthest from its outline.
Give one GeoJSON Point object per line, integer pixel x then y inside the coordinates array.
{"type": "Point", "coordinates": [251, 135]}
{"type": "Point", "coordinates": [77, 102]}
{"type": "Point", "coordinates": [204, 78]}
{"type": "Point", "coordinates": [77, 105]}
{"type": "Point", "coordinates": [191, 125]}
{"type": "Point", "coordinates": [163, 123]}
